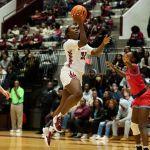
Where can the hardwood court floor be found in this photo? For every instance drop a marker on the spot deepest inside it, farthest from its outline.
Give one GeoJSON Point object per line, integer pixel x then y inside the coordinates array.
{"type": "Point", "coordinates": [32, 141]}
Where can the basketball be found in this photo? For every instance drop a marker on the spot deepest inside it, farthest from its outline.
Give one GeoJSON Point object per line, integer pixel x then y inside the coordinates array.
{"type": "Point", "coordinates": [79, 12]}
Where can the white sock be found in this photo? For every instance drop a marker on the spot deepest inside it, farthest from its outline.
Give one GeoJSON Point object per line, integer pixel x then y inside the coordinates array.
{"type": "Point", "coordinates": [138, 145]}
{"type": "Point", "coordinates": [146, 147]}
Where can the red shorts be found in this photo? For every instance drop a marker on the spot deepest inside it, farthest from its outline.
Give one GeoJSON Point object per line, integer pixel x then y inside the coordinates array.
{"type": "Point", "coordinates": [142, 101]}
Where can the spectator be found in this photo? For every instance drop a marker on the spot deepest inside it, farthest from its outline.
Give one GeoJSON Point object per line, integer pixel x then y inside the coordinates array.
{"type": "Point", "coordinates": [56, 85]}
{"type": "Point", "coordinates": [5, 61]}
{"type": "Point", "coordinates": [36, 40]}
{"type": "Point", "coordinates": [123, 118]}
{"type": "Point", "coordinates": [110, 114]}
{"type": "Point", "coordinates": [145, 64]}
{"type": "Point", "coordinates": [127, 49]}
{"type": "Point", "coordinates": [79, 122]}
{"type": "Point", "coordinates": [16, 111]}
{"type": "Point", "coordinates": [57, 33]}
{"type": "Point", "coordinates": [136, 38]}
{"type": "Point", "coordinates": [87, 93]}
{"type": "Point", "coordinates": [25, 57]}
{"type": "Point", "coordinates": [118, 61]}
{"type": "Point", "coordinates": [97, 115]}
{"type": "Point", "coordinates": [106, 96]}
{"type": "Point", "coordinates": [90, 78]}
{"type": "Point", "coordinates": [127, 96]}
{"type": "Point", "coordinates": [55, 104]}
{"type": "Point", "coordinates": [100, 84]}
{"type": "Point", "coordinates": [94, 97]}
{"type": "Point", "coordinates": [47, 98]}
{"type": "Point", "coordinates": [10, 78]}
{"type": "Point", "coordinates": [16, 61]}
{"type": "Point", "coordinates": [140, 52]}
{"type": "Point", "coordinates": [3, 74]}
{"type": "Point", "coordinates": [16, 30]}
{"type": "Point", "coordinates": [25, 41]}
{"type": "Point", "coordinates": [113, 77]}
{"type": "Point", "coordinates": [116, 94]}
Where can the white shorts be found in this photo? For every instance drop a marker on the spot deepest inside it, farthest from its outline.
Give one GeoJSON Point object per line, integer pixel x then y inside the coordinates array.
{"type": "Point", "coordinates": [67, 74]}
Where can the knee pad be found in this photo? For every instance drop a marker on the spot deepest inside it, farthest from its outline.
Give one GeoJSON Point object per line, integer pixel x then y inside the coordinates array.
{"type": "Point", "coordinates": [135, 128]}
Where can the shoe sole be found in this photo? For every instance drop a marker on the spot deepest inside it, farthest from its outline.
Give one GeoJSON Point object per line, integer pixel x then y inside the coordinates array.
{"type": "Point", "coordinates": [48, 139]}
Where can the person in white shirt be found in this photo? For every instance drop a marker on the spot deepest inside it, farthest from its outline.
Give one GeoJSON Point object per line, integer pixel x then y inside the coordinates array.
{"type": "Point", "coordinates": [76, 49]}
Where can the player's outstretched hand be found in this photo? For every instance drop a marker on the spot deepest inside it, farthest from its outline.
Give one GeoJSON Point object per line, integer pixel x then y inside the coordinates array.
{"type": "Point", "coordinates": [106, 40]}
{"type": "Point", "coordinates": [110, 65]}
{"type": "Point", "coordinates": [78, 19]}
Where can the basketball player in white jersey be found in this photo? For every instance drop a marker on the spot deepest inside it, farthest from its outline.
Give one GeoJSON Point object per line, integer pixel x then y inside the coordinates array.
{"type": "Point", "coordinates": [76, 49]}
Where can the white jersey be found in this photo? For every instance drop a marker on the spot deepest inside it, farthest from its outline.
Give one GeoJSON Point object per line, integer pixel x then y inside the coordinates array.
{"type": "Point", "coordinates": [75, 55]}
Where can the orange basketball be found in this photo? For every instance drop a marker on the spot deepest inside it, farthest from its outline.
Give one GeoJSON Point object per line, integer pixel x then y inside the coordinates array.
{"type": "Point", "coordinates": [80, 11]}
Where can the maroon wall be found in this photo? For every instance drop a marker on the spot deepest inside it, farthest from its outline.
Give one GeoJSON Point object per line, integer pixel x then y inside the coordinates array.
{"type": "Point", "coordinates": [22, 15]}
{"type": "Point", "coordinates": [20, 3]}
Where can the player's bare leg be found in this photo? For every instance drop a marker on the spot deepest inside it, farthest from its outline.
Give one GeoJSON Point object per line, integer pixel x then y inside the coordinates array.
{"type": "Point", "coordinates": [75, 91]}
{"type": "Point", "coordinates": [143, 122]}
{"type": "Point", "coordinates": [139, 127]}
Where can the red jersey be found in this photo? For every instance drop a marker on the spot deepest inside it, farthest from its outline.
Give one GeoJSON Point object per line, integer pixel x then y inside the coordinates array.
{"type": "Point", "coordinates": [135, 80]}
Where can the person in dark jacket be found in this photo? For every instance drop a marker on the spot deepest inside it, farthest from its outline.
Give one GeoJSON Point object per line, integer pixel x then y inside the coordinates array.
{"type": "Point", "coordinates": [48, 97]}
{"type": "Point", "coordinates": [97, 115]}
{"type": "Point", "coordinates": [110, 114]}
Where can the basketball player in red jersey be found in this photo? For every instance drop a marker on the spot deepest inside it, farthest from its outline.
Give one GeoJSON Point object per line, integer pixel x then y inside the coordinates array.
{"type": "Point", "coordinates": [76, 49]}
{"type": "Point", "coordinates": [5, 93]}
{"type": "Point", "coordinates": [141, 94]}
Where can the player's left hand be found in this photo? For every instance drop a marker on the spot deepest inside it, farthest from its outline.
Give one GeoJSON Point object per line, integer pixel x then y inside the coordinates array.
{"type": "Point", "coordinates": [106, 40]}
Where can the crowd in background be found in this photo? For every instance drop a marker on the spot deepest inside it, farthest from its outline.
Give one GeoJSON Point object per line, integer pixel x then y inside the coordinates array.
{"type": "Point", "coordinates": [106, 102]}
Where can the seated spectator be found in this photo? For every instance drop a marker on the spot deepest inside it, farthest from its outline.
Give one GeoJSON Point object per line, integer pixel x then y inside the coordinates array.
{"type": "Point", "coordinates": [113, 77]}
{"type": "Point", "coordinates": [57, 33]}
{"type": "Point", "coordinates": [145, 64]}
{"type": "Point", "coordinates": [123, 118]}
{"type": "Point", "coordinates": [106, 96]}
{"type": "Point", "coordinates": [140, 53]}
{"type": "Point", "coordinates": [136, 38]}
{"type": "Point", "coordinates": [25, 41]}
{"type": "Point", "coordinates": [100, 84]}
{"type": "Point", "coordinates": [94, 97]}
{"type": "Point", "coordinates": [106, 9]}
{"type": "Point", "coordinates": [36, 40]}
{"type": "Point", "coordinates": [5, 61]}
{"type": "Point", "coordinates": [3, 44]}
{"type": "Point", "coordinates": [127, 96]}
{"type": "Point", "coordinates": [118, 61]}
{"type": "Point", "coordinates": [87, 93]}
{"type": "Point", "coordinates": [47, 32]}
{"type": "Point", "coordinates": [97, 115]}
{"type": "Point", "coordinates": [51, 18]}
{"type": "Point", "coordinates": [3, 74]}
{"type": "Point", "coordinates": [38, 17]}
{"type": "Point", "coordinates": [78, 123]}
{"type": "Point", "coordinates": [127, 49]}
{"type": "Point", "coordinates": [16, 30]}
{"type": "Point", "coordinates": [116, 94]}
{"type": "Point", "coordinates": [110, 114]}
{"type": "Point", "coordinates": [90, 78]}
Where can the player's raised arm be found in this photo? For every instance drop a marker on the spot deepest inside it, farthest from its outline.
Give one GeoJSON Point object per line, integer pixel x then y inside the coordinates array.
{"type": "Point", "coordinates": [112, 67]}
{"type": "Point", "coordinates": [99, 50]}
